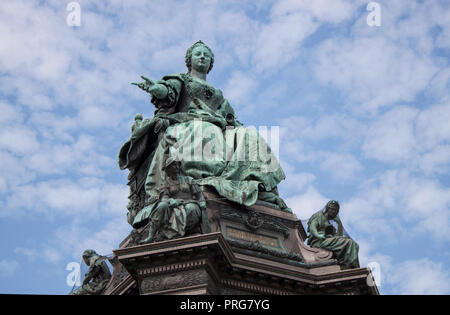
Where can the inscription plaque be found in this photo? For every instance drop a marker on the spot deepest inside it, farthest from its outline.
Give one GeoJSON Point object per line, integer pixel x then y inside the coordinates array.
{"type": "Point", "coordinates": [252, 237]}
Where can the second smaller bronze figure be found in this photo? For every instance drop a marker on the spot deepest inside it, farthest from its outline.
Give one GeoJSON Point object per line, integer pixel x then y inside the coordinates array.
{"type": "Point", "coordinates": [98, 275]}
{"type": "Point", "coordinates": [322, 234]}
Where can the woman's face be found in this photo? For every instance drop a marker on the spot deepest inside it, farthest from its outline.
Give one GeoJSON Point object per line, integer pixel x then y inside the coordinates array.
{"type": "Point", "coordinates": [332, 212]}
{"type": "Point", "coordinates": [201, 59]}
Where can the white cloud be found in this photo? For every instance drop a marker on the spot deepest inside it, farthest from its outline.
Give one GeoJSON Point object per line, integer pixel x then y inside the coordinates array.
{"type": "Point", "coordinates": [106, 236]}
{"type": "Point", "coordinates": [87, 197]}
{"type": "Point", "coordinates": [53, 127]}
{"type": "Point", "coordinates": [78, 156]}
{"type": "Point", "coordinates": [432, 126]}
{"type": "Point", "coordinates": [8, 267]}
{"type": "Point", "coordinates": [296, 182]}
{"type": "Point", "coordinates": [440, 85]}
{"type": "Point", "coordinates": [374, 72]}
{"type": "Point", "coordinates": [436, 160]}
{"type": "Point", "coordinates": [18, 139]}
{"type": "Point", "coordinates": [307, 203]}
{"type": "Point", "coordinates": [366, 254]}
{"type": "Point", "coordinates": [420, 277]}
{"type": "Point", "coordinates": [340, 166]}
{"type": "Point", "coordinates": [380, 264]}
{"type": "Point", "coordinates": [10, 113]}
{"type": "Point", "coordinates": [285, 35]}
{"type": "Point", "coordinates": [411, 137]}
{"type": "Point", "coordinates": [303, 140]}
{"type": "Point", "coordinates": [379, 66]}
{"type": "Point", "coordinates": [391, 137]}
{"type": "Point", "coordinates": [398, 203]}
{"type": "Point", "coordinates": [31, 254]}
{"type": "Point", "coordinates": [239, 87]}
{"type": "Point", "coordinates": [279, 41]}
{"type": "Point", "coordinates": [52, 255]}
{"type": "Point", "coordinates": [322, 10]}
{"type": "Point", "coordinates": [106, 239]}
{"type": "Point", "coordinates": [12, 173]}
{"type": "Point", "coordinates": [325, 127]}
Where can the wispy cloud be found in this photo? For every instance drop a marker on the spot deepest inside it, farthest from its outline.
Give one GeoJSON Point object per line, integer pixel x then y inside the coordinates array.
{"type": "Point", "coordinates": [8, 267]}
{"type": "Point", "coordinates": [420, 277]}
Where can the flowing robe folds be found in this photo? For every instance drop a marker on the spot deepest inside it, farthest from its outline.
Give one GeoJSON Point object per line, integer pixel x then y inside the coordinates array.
{"type": "Point", "coordinates": [213, 148]}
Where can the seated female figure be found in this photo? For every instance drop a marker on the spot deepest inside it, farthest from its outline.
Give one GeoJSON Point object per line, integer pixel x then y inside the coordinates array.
{"type": "Point", "coordinates": [198, 127]}
{"type": "Point", "coordinates": [324, 235]}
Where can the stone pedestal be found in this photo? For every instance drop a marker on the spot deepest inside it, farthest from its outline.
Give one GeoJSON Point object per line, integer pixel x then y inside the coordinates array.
{"type": "Point", "coordinates": [207, 264]}
{"type": "Point", "coordinates": [251, 250]}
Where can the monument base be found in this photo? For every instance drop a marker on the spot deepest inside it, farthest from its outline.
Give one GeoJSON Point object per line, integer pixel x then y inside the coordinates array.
{"type": "Point", "coordinates": [250, 250]}
{"type": "Point", "coordinates": [207, 265]}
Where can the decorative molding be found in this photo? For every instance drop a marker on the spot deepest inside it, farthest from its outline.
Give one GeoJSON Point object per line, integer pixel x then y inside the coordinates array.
{"type": "Point", "coordinates": [182, 279]}
{"type": "Point", "coordinates": [183, 266]}
{"type": "Point", "coordinates": [255, 220]}
{"type": "Point", "coordinates": [256, 246]}
{"type": "Point", "coordinates": [246, 286]}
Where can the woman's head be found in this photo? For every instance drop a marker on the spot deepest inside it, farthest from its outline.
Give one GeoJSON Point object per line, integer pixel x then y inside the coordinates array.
{"type": "Point", "coordinates": [332, 208]}
{"type": "Point", "coordinates": [192, 49]}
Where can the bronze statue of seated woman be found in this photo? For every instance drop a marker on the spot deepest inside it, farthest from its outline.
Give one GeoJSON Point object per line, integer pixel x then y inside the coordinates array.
{"type": "Point", "coordinates": [193, 115]}
{"type": "Point", "coordinates": [322, 234]}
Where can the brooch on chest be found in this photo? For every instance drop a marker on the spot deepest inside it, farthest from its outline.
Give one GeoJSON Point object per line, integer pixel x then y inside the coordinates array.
{"type": "Point", "coordinates": [208, 92]}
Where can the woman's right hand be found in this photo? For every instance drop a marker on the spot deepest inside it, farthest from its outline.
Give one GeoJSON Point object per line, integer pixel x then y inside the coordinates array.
{"type": "Point", "coordinates": [146, 85]}
{"type": "Point", "coordinates": [155, 89]}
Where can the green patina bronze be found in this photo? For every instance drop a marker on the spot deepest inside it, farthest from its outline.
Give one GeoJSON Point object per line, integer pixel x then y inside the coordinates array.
{"type": "Point", "coordinates": [98, 275]}
{"type": "Point", "coordinates": [192, 116]}
{"type": "Point", "coordinates": [322, 234]}
{"type": "Point", "coordinates": [174, 217]}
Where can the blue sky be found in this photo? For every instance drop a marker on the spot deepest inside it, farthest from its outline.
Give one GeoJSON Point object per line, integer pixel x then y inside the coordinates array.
{"type": "Point", "coordinates": [363, 114]}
